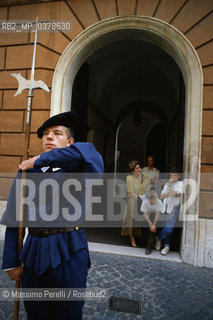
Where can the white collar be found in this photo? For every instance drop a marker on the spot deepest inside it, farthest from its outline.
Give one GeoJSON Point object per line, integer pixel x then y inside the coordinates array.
{"type": "Point", "coordinates": [44, 169]}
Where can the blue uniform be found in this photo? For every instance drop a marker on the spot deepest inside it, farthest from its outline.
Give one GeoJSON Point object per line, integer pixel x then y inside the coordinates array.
{"type": "Point", "coordinates": [59, 260]}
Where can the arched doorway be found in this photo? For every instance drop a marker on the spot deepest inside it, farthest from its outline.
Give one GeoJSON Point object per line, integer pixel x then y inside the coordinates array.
{"type": "Point", "coordinates": [175, 45]}
{"type": "Point", "coordinates": [114, 97]}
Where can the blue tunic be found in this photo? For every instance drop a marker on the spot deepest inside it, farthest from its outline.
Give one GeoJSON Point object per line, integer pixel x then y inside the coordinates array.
{"type": "Point", "coordinates": [40, 254]}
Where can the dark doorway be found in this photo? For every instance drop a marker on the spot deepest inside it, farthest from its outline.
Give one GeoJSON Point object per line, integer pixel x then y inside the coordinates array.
{"type": "Point", "coordinates": [156, 145]}
{"type": "Point", "coordinates": [79, 102]}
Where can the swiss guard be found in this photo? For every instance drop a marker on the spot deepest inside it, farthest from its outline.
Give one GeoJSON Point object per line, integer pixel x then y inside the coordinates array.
{"type": "Point", "coordinates": [55, 253]}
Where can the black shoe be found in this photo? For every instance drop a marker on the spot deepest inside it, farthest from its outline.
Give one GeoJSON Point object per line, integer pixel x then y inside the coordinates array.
{"type": "Point", "coordinates": [148, 251]}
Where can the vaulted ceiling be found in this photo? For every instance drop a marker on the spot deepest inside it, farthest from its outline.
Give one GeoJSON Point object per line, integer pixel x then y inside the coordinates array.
{"type": "Point", "coordinates": [114, 71]}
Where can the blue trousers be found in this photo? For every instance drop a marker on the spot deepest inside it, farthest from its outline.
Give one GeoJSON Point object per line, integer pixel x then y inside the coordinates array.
{"type": "Point", "coordinates": [170, 223]}
{"type": "Point", "coordinates": [71, 274]}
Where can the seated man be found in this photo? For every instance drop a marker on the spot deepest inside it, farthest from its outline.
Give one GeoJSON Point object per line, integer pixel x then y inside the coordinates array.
{"type": "Point", "coordinates": [151, 207]}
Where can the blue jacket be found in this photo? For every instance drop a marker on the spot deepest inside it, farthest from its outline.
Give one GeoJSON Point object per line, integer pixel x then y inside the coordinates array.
{"type": "Point", "coordinates": [43, 253]}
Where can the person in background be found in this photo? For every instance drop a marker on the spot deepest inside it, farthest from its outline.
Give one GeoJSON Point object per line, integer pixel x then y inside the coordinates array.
{"type": "Point", "coordinates": [151, 171]}
{"type": "Point", "coordinates": [151, 207]}
{"type": "Point", "coordinates": [137, 183]}
{"type": "Point", "coordinates": [171, 196]}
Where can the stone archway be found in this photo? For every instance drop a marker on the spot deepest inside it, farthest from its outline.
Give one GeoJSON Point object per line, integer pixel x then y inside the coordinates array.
{"type": "Point", "coordinates": [180, 49]}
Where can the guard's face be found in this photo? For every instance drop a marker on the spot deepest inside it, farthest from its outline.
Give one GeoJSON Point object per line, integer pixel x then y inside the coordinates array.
{"type": "Point", "coordinates": [55, 137]}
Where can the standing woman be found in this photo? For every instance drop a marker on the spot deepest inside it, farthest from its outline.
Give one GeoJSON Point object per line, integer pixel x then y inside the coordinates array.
{"type": "Point", "coordinates": [137, 184]}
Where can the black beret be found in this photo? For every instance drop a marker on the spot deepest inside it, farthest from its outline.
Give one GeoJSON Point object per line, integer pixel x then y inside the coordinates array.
{"type": "Point", "coordinates": [67, 119]}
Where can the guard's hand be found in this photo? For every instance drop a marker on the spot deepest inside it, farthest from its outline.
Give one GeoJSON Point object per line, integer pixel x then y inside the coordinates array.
{"type": "Point", "coordinates": [15, 273]}
{"type": "Point", "coordinates": [28, 164]}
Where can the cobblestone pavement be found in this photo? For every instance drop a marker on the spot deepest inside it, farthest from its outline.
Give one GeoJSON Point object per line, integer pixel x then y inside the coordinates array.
{"type": "Point", "coordinates": [166, 290]}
